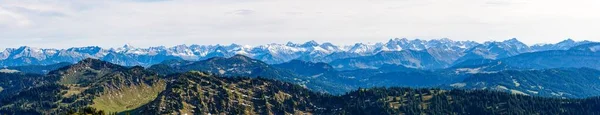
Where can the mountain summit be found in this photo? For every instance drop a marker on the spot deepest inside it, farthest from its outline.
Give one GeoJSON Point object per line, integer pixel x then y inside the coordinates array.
{"type": "Point", "coordinates": [276, 53]}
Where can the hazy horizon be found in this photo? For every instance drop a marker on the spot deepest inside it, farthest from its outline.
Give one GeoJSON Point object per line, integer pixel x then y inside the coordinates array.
{"type": "Point", "coordinates": [302, 42]}
{"type": "Point", "coordinates": [145, 23]}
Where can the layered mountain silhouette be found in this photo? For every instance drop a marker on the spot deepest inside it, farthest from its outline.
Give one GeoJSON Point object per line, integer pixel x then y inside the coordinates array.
{"type": "Point", "coordinates": [459, 77]}
{"type": "Point", "coordinates": [90, 82]}
{"type": "Point", "coordinates": [446, 51]}
{"type": "Point", "coordinates": [94, 86]}
{"type": "Point", "coordinates": [566, 82]}
{"type": "Point", "coordinates": [580, 56]}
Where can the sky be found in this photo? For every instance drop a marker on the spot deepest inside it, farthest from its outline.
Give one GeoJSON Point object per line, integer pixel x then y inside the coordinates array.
{"type": "Point", "coordinates": [145, 23]}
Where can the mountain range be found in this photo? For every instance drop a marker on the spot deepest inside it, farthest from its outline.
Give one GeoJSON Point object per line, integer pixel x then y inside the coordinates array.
{"type": "Point", "coordinates": [92, 86]}
{"type": "Point", "coordinates": [309, 78]}
{"type": "Point", "coordinates": [445, 51]}
{"type": "Point", "coordinates": [432, 67]}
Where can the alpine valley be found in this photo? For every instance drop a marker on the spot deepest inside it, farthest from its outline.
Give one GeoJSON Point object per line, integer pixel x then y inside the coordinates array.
{"type": "Point", "coordinates": [400, 76]}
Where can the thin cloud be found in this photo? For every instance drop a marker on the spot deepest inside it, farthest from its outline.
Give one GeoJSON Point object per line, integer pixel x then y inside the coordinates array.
{"type": "Point", "coordinates": [243, 12]}
{"type": "Point", "coordinates": [10, 19]}
{"type": "Point", "coordinates": [144, 23]}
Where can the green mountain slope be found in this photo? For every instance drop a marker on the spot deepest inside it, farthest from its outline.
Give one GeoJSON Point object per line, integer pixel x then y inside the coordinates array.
{"type": "Point", "coordinates": [90, 82]}
{"type": "Point", "coordinates": [200, 93]}
{"type": "Point", "coordinates": [240, 65]}
{"type": "Point", "coordinates": [94, 86]}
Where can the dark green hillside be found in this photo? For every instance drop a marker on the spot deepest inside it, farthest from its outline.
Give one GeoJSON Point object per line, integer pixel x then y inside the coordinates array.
{"type": "Point", "coordinates": [43, 99]}
{"type": "Point", "coordinates": [385, 101]}
{"type": "Point", "coordinates": [237, 65]}
{"type": "Point", "coordinates": [240, 65]}
{"type": "Point", "coordinates": [94, 86]}
{"type": "Point", "coordinates": [200, 93]}
{"type": "Point", "coordinates": [196, 92]}
{"type": "Point", "coordinates": [90, 82]}
{"type": "Point", "coordinates": [11, 83]}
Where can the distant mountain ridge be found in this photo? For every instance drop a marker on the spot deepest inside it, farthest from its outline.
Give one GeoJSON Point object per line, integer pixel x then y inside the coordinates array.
{"type": "Point", "coordinates": [275, 53]}
{"type": "Point", "coordinates": [585, 55]}
{"type": "Point", "coordinates": [563, 82]}
{"type": "Point", "coordinates": [240, 65]}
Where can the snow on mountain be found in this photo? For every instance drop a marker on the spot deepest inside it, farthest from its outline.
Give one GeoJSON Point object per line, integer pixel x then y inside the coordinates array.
{"type": "Point", "coordinates": [444, 43]}
{"type": "Point", "coordinates": [495, 50]}
{"type": "Point", "coordinates": [563, 45]}
{"type": "Point", "coordinates": [4, 55]}
{"type": "Point", "coordinates": [273, 53]}
{"type": "Point", "coordinates": [182, 51]}
{"type": "Point", "coordinates": [592, 47]}
{"type": "Point", "coordinates": [29, 52]}
{"type": "Point", "coordinates": [595, 48]}
{"type": "Point", "coordinates": [361, 48]}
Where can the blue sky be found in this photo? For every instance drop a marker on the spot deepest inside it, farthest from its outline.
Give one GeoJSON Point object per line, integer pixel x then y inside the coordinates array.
{"type": "Point", "coordinates": [144, 23]}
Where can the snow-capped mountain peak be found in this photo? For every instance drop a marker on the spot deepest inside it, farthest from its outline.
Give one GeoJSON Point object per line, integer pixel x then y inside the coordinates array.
{"type": "Point", "coordinates": [270, 53]}
{"type": "Point", "coordinates": [128, 46]}
{"type": "Point", "coordinates": [311, 43]}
